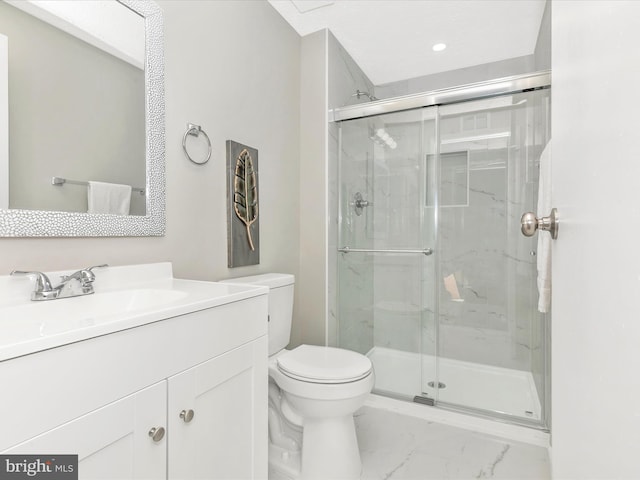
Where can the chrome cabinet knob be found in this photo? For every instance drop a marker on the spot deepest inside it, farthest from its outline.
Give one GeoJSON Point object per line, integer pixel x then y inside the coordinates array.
{"type": "Point", "coordinates": [187, 415]}
{"type": "Point", "coordinates": [529, 223]}
{"type": "Point", "coordinates": [157, 433]}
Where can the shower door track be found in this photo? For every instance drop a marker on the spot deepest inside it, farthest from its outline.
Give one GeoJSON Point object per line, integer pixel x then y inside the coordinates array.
{"type": "Point", "coordinates": [472, 91]}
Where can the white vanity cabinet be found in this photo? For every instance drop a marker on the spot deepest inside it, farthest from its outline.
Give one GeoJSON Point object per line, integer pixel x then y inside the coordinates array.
{"type": "Point", "coordinates": [111, 442]}
{"type": "Point", "coordinates": [100, 398]}
{"type": "Point", "coordinates": [221, 440]}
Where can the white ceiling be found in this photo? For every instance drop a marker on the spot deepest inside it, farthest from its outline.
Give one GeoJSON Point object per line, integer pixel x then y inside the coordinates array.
{"type": "Point", "coordinates": [391, 40]}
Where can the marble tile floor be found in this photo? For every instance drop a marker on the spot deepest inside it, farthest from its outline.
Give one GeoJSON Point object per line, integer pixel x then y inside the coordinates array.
{"type": "Point", "coordinates": [394, 446]}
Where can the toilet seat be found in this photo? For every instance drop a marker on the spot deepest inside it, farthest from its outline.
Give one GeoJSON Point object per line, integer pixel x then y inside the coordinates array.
{"type": "Point", "coordinates": [326, 365]}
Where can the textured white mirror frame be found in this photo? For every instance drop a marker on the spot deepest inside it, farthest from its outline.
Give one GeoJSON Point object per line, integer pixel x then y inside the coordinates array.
{"type": "Point", "coordinates": [38, 223]}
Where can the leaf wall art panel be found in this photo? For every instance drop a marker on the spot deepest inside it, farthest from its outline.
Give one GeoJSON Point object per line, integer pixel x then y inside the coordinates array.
{"type": "Point", "coordinates": [243, 221]}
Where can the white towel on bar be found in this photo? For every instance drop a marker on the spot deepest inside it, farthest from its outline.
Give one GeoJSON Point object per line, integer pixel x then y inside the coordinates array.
{"type": "Point", "coordinates": [544, 238]}
{"type": "Point", "coordinates": [109, 198]}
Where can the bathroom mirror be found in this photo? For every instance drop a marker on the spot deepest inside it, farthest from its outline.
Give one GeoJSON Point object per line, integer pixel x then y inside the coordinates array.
{"type": "Point", "coordinates": [74, 133]}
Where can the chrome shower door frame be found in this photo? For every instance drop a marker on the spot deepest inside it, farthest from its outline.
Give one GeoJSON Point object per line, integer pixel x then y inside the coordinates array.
{"type": "Point", "coordinates": [430, 334]}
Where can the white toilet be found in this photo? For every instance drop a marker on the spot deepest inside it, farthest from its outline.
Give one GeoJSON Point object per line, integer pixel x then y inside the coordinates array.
{"type": "Point", "coordinates": [313, 393]}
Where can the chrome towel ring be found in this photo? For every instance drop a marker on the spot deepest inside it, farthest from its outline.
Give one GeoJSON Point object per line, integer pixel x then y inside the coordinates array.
{"type": "Point", "coordinates": [195, 131]}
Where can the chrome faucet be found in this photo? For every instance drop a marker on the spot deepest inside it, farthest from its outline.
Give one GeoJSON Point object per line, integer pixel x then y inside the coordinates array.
{"type": "Point", "coordinates": [76, 284]}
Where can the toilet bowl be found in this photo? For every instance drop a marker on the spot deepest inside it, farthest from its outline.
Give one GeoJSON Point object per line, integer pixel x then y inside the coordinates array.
{"type": "Point", "coordinates": [313, 394]}
{"type": "Point", "coordinates": [322, 388]}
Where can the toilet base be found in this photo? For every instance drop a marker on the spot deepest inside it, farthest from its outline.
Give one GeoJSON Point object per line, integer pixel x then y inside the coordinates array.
{"type": "Point", "coordinates": [283, 463]}
{"type": "Point", "coordinates": [285, 439]}
{"type": "Point", "coordinates": [318, 417]}
{"type": "Point", "coordinates": [330, 449]}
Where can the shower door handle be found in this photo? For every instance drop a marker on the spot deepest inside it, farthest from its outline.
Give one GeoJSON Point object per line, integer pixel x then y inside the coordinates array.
{"type": "Point", "coordinates": [530, 223]}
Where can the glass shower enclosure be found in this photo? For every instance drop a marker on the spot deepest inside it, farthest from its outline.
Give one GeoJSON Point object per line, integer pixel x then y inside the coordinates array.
{"type": "Point", "coordinates": [435, 282]}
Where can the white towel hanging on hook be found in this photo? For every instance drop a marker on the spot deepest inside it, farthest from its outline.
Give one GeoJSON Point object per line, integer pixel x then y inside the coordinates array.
{"type": "Point", "coordinates": [544, 241]}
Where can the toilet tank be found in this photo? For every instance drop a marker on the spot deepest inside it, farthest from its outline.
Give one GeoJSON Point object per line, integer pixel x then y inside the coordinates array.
{"type": "Point", "coordinates": [280, 305]}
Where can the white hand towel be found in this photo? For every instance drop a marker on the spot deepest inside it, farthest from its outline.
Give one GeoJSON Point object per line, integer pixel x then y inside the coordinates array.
{"type": "Point", "coordinates": [544, 238]}
{"type": "Point", "coordinates": [109, 198]}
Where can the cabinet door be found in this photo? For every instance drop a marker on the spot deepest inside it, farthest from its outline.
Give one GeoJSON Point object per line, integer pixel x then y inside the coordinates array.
{"type": "Point", "coordinates": [112, 442]}
{"type": "Point", "coordinates": [227, 436]}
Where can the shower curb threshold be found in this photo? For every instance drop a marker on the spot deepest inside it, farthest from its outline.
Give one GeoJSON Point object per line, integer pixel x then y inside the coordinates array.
{"type": "Point", "coordinates": [468, 422]}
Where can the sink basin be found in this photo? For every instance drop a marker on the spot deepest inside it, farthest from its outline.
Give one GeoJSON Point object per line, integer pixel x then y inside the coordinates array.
{"type": "Point", "coordinates": [25, 322]}
{"type": "Point", "coordinates": [27, 326]}
{"type": "Point", "coordinates": [55, 316]}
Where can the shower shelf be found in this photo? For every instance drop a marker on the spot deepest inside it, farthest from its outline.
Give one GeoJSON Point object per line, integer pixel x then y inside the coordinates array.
{"type": "Point", "coordinates": [425, 251]}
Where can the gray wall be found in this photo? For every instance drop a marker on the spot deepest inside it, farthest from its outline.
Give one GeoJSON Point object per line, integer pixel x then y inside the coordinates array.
{"type": "Point", "coordinates": [74, 111]}
{"type": "Point", "coordinates": [328, 78]}
{"type": "Point", "coordinates": [311, 285]}
{"type": "Point", "coordinates": [462, 76]}
{"type": "Point", "coordinates": [240, 83]}
{"type": "Point", "coordinates": [542, 53]}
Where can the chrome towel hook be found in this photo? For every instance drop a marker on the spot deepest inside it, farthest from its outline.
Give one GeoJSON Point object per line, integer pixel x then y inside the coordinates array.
{"type": "Point", "coordinates": [530, 223]}
{"type": "Point", "coordinates": [195, 131]}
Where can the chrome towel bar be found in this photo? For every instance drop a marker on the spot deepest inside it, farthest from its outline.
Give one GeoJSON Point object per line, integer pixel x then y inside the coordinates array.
{"type": "Point", "coordinates": [425, 251]}
{"type": "Point", "coordinates": [61, 181]}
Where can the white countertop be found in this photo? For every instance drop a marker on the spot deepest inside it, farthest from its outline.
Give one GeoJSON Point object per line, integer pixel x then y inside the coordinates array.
{"type": "Point", "coordinates": [125, 297]}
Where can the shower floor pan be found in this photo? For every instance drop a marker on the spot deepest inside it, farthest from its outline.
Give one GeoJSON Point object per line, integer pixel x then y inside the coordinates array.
{"type": "Point", "coordinates": [478, 386]}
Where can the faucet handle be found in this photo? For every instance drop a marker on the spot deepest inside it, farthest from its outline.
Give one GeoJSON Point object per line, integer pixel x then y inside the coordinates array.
{"type": "Point", "coordinates": [97, 266]}
{"type": "Point", "coordinates": [84, 275]}
{"type": "Point", "coordinates": [43, 284]}
{"type": "Point", "coordinates": [87, 274]}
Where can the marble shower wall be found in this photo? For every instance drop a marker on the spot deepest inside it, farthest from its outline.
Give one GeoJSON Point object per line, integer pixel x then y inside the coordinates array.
{"type": "Point", "coordinates": [403, 283]}
{"type": "Point", "coordinates": [355, 295]}
{"type": "Point", "coordinates": [390, 178]}
{"type": "Point", "coordinates": [485, 186]}
{"type": "Point", "coordinates": [344, 78]}
{"type": "Point", "coordinates": [488, 304]}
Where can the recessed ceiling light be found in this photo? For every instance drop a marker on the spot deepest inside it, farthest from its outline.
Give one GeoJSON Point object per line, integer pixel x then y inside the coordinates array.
{"type": "Point", "coordinates": [438, 47]}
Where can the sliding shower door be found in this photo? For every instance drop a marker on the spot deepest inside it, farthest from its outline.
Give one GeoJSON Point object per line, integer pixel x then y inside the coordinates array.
{"type": "Point", "coordinates": [387, 232]}
{"type": "Point", "coordinates": [435, 282]}
{"type": "Point", "coordinates": [491, 348]}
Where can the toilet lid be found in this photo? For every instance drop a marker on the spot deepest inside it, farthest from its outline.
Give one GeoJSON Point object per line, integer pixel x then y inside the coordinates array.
{"type": "Point", "coordinates": [324, 364]}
